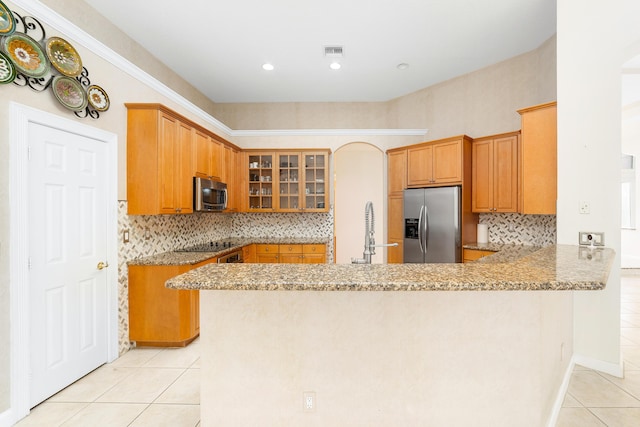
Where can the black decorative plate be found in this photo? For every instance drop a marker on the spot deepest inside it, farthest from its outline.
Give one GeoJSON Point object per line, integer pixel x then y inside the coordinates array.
{"type": "Point", "coordinates": [69, 92]}
{"type": "Point", "coordinates": [7, 70]}
{"type": "Point", "coordinates": [7, 22]}
{"type": "Point", "coordinates": [98, 98]}
{"type": "Point", "coordinates": [63, 57]}
{"type": "Point", "coordinates": [26, 54]}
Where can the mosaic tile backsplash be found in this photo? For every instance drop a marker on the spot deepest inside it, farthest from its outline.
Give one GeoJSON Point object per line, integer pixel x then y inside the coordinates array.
{"type": "Point", "coordinates": [519, 229]}
{"type": "Point", "coordinates": [153, 234]}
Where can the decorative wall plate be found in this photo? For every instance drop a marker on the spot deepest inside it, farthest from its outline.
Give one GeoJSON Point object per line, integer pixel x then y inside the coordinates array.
{"type": "Point", "coordinates": [98, 98]}
{"type": "Point", "coordinates": [7, 70]}
{"type": "Point", "coordinates": [7, 22]}
{"type": "Point", "coordinates": [26, 55]}
{"type": "Point", "coordinates": [68, 91]}
{"type": "Point", "coordinates": [63, 57]}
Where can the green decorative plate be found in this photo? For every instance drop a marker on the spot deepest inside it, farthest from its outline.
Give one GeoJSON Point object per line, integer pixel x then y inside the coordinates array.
{"type": "Point", "coordinates": [26, 54]}
{"type": "Point", "coordinates": [63, 57]}
{"type": "Point", "coordinates": [7, 22]}
{"type": "Point", "coordinates": [98, 98]}
{"type": "Point", "coordinates": [7, 70]}
{"type": "Point", "coordinates": [69, 92]}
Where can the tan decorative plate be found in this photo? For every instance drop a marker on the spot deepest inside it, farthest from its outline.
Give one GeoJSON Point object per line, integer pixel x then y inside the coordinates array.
{"type": "Point", "coordinates": [63, 57]}
{"type": "Point", "coordinates": [68, 91]}
{"type": "Point", "coordinates": [26, 55]}
{"type": "Point", "coordinates": [7, 22]}
{"type": "Point", "coordinates": [98, 98]}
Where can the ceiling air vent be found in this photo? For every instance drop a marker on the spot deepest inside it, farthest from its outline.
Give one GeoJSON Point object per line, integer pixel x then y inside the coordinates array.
{"type": "Point", "coordinates": [333, 51]}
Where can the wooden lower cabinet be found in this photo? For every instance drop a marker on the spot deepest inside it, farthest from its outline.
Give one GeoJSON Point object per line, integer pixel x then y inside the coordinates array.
{"type": "Point", "coordinates": [469, 255]}
{"type": "Point", "coordinates": [291, 254]}
{"type": "Point", "coordinates": [249, 253]}
{"type": "Point", "coordinates": [159, 316]}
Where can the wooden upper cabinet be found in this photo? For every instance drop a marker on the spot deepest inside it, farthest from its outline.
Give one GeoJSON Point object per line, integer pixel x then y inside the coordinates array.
{"type": "Point", "coordinates": [164, 152]}
{"type": "Point", "coordinates": [397, 172]}
{"type": "Point", "coordinates": [539, 159]}
{"type": "Point", "coordinates": [495, 173]}
{"type": "Point", "coordinates": [230, 177]}
{"type": "Point", "coordinates": [435, 163]}
{"type": "Point", "coordinates": [158, 163]}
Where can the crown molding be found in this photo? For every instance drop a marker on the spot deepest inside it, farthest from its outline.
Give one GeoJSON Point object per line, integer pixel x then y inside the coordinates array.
{"type": "Point", "coordinates": [68, 29]}
{"type": "Point", "coordinates": [331, 132]}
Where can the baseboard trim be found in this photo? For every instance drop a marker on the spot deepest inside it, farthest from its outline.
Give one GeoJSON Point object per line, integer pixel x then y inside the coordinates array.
{"type": "Point", "coordinates": [562, 391]}
{"type": "Point", "coordinates": [615, 369]}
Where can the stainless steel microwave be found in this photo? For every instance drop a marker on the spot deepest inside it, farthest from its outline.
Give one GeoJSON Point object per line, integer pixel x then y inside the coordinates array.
{"type": "Point", "coordinates": [209, 195]}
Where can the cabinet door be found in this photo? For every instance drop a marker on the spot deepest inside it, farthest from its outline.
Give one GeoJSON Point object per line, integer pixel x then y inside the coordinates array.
{"type": "Point", "coordinates": [291, 254]}
{"type": "Point", "coordinates": [394, 253]}
{"type": "Point", "coordinates": [184, 181]}
{"type": "Point", "coordinates": [261, 185]}
{"type": "Point", "coordinates": [289, 182]}
{"type": "Point", "coordinates": [249, 253]}
{"type": "Point", "coordinates": [314, 254]}
{"type": "Point", "coordinates": [447, 162]}
{"type": "Point", "coordinates": [505, 174]}
{"type": "Point", "coordinates": [420, 166]}
{"type": "Point", "coordinates": [397, 172]}
{"type": "Point", "coordinates": [229, 176]}
{"type": "Point", "coordinates": [539, 162]}
{"type": "Point", "coordinates": [482, 176]}
{"type": "Point", "coordinates": [316, 185]}
{"type": "Point", "coordinates": [217, 157]}
{"type": "Point", "coordinates": [267, 254]}
{"type": "Point", "coordinates": [167, 173]}
{"type": "Point", "coordinates": [202, 155]}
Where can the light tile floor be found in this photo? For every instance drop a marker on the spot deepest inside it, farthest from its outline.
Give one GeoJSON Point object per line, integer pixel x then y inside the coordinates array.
{"type": "Point", "coordinates": [161, 387]}
{"type": "Point", "coordinates": [145, 387]}
{"type": "Point", "coordinates": [597, 399]}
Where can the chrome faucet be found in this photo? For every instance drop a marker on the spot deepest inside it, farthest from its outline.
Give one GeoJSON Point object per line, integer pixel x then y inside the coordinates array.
{"type": "Point", "coordinates": [369, 239]}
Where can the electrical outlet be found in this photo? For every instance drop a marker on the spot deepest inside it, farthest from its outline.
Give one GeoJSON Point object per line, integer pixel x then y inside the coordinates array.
{"type": "Point", "coordinates": [125, 236]}
{"type": "Point", "coordinates": [584, 207]}
{"type": "Point", "coordinates": [590, 238]}
{"type": "Point", "coordinates": [309, 401]}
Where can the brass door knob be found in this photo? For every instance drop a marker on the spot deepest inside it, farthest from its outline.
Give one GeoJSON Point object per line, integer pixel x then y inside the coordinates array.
{"type": "Point", "coordinates": [102, 265]}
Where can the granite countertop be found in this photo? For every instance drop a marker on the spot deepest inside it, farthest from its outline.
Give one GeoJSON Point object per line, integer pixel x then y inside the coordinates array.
{"type": "Point", "coordinates": [503, 251]}
{"type": "Point", "coordinates": [559, 267]}
{"type": "Point", "coordinates": [192, 258]}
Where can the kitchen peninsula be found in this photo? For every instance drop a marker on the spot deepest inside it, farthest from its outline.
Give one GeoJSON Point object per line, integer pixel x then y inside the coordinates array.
{"type": "Point", "coordinates": [493, 355]}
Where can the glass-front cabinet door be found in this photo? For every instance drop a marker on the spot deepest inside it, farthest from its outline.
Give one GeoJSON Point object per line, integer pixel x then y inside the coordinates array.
{"type": "Point", "coordinates": [289, 181]}
{"type": "Point", "coordinates": [316, 173]}
{"type": "Point", "coordinates": [261, 182]}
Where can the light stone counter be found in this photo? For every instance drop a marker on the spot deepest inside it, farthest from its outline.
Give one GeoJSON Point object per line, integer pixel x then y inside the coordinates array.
{"type": "Point", "coordinates": [560, 267]}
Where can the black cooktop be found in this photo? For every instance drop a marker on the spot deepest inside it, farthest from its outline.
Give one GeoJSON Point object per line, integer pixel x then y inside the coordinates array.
{"type": "Point", "coordinates": [210, 247]}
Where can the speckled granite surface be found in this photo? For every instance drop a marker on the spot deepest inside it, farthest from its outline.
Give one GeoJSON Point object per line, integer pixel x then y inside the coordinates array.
{"type": "Point", "coordinates": [184, 258]}
{"type": "Point", "coordinates": [504, 252]}
{"type": "Point", "coordinates": [560, 267]}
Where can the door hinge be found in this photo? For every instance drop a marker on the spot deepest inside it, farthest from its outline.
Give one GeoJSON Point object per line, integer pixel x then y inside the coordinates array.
{"type": "Point", "coordinates": [29, 263]}
{"type": "Point", "coordinates": [29, 152]}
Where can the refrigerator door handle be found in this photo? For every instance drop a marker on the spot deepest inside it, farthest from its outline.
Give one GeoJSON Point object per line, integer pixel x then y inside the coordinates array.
{"type": "Point", "coordinates": [426, 228]}
{"type": "Point", "coordinates": [420, 229]}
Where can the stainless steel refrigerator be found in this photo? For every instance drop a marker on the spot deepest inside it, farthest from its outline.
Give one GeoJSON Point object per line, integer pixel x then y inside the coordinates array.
{"type": "Point", "coordinates": [432, 230]}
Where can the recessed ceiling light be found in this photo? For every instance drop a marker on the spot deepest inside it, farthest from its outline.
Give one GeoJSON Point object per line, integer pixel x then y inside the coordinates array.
{"type": "Point", "coordinates": [402, 66]}
{"type": "Point", "coordinates": [268, 67]}
{"type": "Point", "coordinates": [335, 66]}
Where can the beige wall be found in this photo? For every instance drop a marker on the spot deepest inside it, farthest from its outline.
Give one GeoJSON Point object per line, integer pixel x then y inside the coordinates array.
{"type": "Point", "coordinates": [477, 104]}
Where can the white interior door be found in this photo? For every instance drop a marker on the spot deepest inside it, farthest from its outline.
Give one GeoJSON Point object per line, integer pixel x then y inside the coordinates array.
{"type": "Point", "coordinates": [67, 241]}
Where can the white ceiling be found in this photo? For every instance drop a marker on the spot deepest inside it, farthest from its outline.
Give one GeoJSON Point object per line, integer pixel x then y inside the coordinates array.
{"type": "Point", "coordinates": [219, 46]}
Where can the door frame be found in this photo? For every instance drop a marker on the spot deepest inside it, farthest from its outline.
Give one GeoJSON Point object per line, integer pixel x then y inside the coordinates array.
{"type": "Point", "coordinates": [20, 118]}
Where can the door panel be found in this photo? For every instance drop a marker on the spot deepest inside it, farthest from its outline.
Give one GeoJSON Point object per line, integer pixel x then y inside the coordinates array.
{"type": "Point", "coordinates": [413, 202]}
{"type": "Point", "coordinates": [67, 239]}
{"type": "Point", "coordinates": [443, 235]}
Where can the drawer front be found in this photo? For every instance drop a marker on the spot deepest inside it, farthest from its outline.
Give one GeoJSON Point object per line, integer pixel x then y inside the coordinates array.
{"type": "Point", "coordinates": [267, 249]}
{"type": "Point", "coordinates": [314, 249]}
{"type": "Point", "coordinates": [290, 249]}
